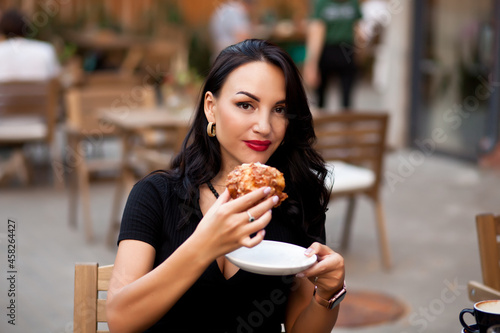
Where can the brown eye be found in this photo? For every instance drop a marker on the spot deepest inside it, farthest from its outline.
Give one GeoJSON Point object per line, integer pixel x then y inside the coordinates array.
{"type": "Point", "coordinates": [280, 110]}
{"type": "Point", "coordinates": [244, 105]}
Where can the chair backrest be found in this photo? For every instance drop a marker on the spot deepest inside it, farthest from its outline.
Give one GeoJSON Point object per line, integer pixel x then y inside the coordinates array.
{"type": "Point", "coordinates": [488, 233]}
{"type": "Point", "coordinates": [83, 104]}
{"type": "Point", "coordinates": [353, 137]}
{"type": "Point", "coordinates": [31, 98]}
{"type": "Point", "coordinates": [91, 283]}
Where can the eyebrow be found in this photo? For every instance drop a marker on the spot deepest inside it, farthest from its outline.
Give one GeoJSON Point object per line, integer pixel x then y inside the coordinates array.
{"type": "Point", "coordinates": [255, 97]}
{"type": "Point", "coordinates": [249, 95]}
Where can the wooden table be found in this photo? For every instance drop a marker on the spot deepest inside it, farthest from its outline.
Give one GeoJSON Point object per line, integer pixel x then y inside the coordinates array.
{"type": "Point", "coordinates": [131, 123]}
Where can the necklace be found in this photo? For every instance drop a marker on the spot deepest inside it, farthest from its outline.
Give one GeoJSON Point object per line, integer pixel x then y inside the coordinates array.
{"type": "Point", "coordinates": [214, 191]}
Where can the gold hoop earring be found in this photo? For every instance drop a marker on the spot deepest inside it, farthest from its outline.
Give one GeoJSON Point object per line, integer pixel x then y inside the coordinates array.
{"type": "Point", "coordinates": [211, 129]}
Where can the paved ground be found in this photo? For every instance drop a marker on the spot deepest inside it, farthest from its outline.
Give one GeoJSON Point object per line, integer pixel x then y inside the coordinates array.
{"type": "Point", "coordinates": [430, 206]}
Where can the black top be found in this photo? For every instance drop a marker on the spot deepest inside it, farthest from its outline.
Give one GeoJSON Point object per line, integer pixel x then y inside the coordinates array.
{"type": "Point", "coordinates": [156, 213]}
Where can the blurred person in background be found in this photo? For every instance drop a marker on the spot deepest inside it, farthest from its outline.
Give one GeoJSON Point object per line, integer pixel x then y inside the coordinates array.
{"type": "Point", "coordinates": [330, 47]}
{"type": "Point", "coordinates": [230, 24]}
{"type": "Point", "coordinates": [22, 58]}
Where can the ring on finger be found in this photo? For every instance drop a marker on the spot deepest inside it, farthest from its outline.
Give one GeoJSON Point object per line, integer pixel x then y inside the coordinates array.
{"type": "Point", "coordinates": [250, 217]}
{"type": "Point", "coordinates": [315, 279]}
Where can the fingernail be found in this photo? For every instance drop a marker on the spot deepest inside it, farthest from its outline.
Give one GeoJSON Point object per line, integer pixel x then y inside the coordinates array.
{"type": "Point", "coordinates": [267, 190]}
{"type": "Point", "coordinates": [276, 199]}
{"type": "Point", "coordinates": [263, 232]}
{"type": "Point", "coordinates": [300, 275]}
{"type": "Point", "coordinates": [308, 251]}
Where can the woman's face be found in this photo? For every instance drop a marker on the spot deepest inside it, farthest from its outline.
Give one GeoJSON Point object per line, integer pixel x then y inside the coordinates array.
{"type": "Point", "coordinates": [249, 113]}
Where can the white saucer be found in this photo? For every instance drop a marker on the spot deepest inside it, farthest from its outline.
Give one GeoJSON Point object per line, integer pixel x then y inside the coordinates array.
{"type": "Point", "coordinates": [272, 258]}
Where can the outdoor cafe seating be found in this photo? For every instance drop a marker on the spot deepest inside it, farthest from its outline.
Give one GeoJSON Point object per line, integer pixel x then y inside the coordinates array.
{"type": "Point", "coordinates": [353, 144]}
{"type": "Point", "coordinates": [89, 312]}
{"type": "Point", "coordinates": [86, 137]}
{"type": "Point", "coordinates": [488, 236]}
{"type": "Point", "coordinates": [28, 116]}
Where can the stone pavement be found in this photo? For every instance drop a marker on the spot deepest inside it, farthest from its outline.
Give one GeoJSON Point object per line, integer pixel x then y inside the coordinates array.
{"type": "Point", "coordinates": [430, 206]}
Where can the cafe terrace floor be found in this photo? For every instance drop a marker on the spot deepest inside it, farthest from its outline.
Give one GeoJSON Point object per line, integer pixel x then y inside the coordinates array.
{"type": "Point", "coordinates": [430, 203]}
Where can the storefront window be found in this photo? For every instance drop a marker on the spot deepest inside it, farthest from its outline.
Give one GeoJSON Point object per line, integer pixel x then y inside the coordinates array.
{"type": "Point", "coordinates": [453, 75]}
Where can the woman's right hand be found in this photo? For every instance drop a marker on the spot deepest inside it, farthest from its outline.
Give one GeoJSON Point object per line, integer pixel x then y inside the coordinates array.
{"type": "Point", "coordinates": [226, 226]}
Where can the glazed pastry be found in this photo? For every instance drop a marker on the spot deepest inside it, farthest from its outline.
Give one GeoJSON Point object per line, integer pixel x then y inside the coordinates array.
{"type": "Point", "coordinates": [250, 176]}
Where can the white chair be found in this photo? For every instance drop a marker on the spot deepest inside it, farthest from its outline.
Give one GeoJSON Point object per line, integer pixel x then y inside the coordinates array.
{"type": "Point", "coordinates": [353, 144]}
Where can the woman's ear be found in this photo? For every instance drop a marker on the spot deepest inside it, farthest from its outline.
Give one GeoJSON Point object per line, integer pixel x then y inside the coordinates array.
{"type": "Point", "coordinates": [209, 106]}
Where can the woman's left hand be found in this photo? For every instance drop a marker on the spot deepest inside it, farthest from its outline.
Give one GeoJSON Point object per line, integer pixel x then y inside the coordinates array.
{"type": "Point", "coordinates": [328, 273]}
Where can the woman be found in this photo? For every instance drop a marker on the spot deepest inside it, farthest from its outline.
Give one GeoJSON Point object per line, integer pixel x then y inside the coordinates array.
{"type": "Point", "coordinates": [170, 272]}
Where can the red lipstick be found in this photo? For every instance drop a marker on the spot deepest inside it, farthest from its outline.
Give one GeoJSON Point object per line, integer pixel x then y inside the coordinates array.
{"type": "Point", "coordinates": [258, 145]}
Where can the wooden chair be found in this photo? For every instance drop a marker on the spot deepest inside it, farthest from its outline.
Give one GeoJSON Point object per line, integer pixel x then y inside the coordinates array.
{"type": "Point", "coordinates": [28, 114]}
{"type": "Point", "coordinates": [488, 236]}
{"type": "Point", "coordinates": [353, 144]}
{"type": "Point", "coordinates": [85, 128]}
{"type": "Point", "coordinates": [153, 157]}
{"type": "Point", "coordinates": [89, 312]}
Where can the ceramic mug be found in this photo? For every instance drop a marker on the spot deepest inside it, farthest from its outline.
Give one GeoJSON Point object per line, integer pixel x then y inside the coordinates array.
{"type": "Point", "coordinates": [487, 313]}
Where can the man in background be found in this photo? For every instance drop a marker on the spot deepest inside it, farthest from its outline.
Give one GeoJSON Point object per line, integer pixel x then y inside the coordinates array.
{"type": "Point", "coordinates": [330, 47]}
{"type": "Point", "coordinates": [22, 58]}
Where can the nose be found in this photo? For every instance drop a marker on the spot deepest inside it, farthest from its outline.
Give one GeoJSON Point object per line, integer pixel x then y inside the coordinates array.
{"type": "Point", "coordinates": [262, 123]}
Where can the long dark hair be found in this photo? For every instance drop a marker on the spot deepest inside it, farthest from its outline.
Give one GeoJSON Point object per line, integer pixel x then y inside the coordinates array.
{"type": "Point", "coordinates": [13, 24]}
{"type": "Point", "coordinates": [303, 168]}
